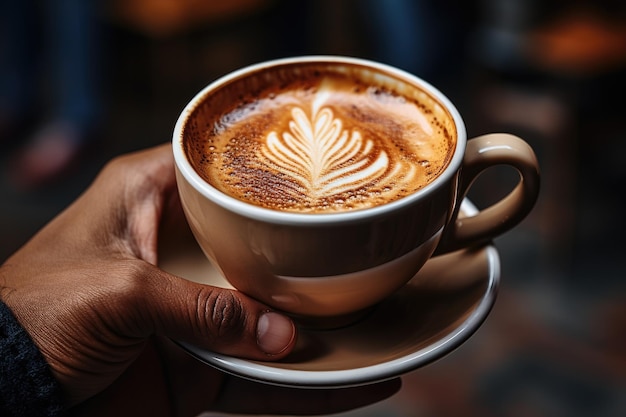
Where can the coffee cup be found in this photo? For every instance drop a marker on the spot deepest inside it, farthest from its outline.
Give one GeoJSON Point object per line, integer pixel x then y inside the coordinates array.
{"type": "Point", "coordinates": [320, 185]}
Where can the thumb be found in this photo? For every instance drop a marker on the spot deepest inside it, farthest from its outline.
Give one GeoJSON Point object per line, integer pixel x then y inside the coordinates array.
{"type": "Point", "coordinates": [218, 319]}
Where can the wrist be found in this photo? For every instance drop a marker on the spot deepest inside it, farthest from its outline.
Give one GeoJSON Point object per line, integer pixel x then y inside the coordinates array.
{"type": "Point", "coordinates": [27, 387]}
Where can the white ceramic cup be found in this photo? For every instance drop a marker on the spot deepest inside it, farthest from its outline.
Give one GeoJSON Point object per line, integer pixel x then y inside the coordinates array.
{"type": "Point", "coordinates": [328, 268]}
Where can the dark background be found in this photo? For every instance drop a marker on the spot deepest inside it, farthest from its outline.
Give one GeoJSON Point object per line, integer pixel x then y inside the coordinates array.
{"type": "Point", "coordinates": [552, 72]}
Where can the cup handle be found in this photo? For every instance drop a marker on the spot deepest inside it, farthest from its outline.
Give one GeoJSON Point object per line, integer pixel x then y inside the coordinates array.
{"type": "Point", "coordinates": [481, 153]}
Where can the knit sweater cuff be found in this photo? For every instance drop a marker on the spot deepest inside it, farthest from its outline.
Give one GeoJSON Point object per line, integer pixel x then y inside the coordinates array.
{"type": "Point", "coordinates": [27, 386]}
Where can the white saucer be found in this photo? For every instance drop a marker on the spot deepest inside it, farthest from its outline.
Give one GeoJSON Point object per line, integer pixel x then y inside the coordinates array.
{"type": "Point", "coordinates": [438, 310]}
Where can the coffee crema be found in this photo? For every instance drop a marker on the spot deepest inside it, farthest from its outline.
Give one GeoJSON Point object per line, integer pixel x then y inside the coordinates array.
{"type": "Point", "coordinates": [318, 141]}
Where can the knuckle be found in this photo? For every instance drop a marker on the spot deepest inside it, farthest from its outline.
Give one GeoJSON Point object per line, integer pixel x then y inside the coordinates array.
{"type": "Point", "coordinates": [223, 313]}
{"type": "Point", "coordinates": [120, 168]}
{"type": "Point", "coordinates": [127, 281]}
{"type": "Point", "coordinates": [114, 165]}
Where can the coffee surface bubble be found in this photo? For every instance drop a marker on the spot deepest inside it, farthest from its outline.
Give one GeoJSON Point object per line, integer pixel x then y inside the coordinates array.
{"type": "Point", "coordinates": [318, 142]}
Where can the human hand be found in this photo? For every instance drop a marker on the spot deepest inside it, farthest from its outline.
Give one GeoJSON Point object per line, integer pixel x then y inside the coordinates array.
{"type": "Point", "coordinates": [88, 291]}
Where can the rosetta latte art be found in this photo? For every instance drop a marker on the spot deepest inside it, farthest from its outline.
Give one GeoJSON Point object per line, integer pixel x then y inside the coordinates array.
{"type": "Point", "coordinates": [320, 143]}
{"type": "Point", "coordinates": [326, 160]}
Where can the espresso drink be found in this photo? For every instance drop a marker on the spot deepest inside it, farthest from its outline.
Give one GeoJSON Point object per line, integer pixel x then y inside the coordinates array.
{"type": "Point", "coordinates": [318, 140]}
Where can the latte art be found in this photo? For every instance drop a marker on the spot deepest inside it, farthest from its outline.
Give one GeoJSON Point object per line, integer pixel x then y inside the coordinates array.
{"type": "Point", "coordinates": [325, 160]}
{"type": "Point", "coordinates": [320, 143]}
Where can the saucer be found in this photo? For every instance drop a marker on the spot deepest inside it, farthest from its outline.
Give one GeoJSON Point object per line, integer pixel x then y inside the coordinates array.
{"type": "Point", "coordinates": [434, 313]}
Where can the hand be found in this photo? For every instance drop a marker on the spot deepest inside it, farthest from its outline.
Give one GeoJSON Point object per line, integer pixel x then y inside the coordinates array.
{"type": "Point", "coordinates": [88, 291]}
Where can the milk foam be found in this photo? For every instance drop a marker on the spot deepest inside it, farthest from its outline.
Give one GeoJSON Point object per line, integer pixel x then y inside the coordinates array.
{"type": "Point", "coordinates": [329, 147]}
{"type": "Point", "coordinates": [324, 158]}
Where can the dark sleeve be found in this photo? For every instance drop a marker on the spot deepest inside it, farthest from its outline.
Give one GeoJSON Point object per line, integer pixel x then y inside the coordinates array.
{"type": "Point", "coordinates": [27, 386]}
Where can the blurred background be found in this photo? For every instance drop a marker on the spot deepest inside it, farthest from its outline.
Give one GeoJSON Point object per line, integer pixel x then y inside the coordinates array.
{"type": "Point", "coordinates": [83, 81]}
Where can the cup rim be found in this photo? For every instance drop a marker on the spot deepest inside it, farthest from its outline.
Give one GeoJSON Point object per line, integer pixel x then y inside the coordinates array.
{"type": "Point", "coordinates": [291, 218]}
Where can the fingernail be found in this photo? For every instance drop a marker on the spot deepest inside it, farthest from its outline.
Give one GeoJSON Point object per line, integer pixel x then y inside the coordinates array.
{"type": "Point", "coordinates": [274, 333]}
